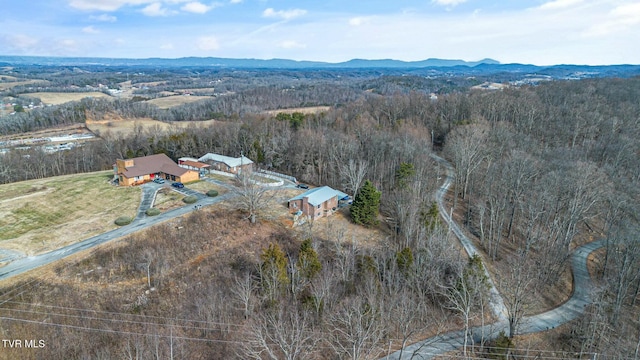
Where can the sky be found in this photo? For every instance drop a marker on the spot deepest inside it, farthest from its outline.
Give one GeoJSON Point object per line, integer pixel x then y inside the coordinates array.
{"type": "Point", "coordinates": [540, 32]}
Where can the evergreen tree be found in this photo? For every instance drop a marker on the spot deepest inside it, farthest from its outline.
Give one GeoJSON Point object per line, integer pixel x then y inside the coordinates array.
{"type": "Point", "coordinates": [404, 173]}
{"type": "Point", "coordinates": [273, 271]}
{"type": "Point", "coordinates": [364, 210]}
{"type": "Point", "coordinates": [308, 262]}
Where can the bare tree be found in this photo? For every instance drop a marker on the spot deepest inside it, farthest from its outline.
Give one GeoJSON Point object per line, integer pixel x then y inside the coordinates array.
{"type": "Point", "coordinates": [356, 330]}
{"type": "Point", "coordinates": [244, 292]}
{"type": "Point", "coordinates": [279, 334]}
{"type": "Point", "coordinates": [252, 197]}
{"type": "Point", "coordinates": [352, 174]}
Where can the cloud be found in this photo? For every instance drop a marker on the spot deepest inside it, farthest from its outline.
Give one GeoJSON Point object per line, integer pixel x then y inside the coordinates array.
{"type": "Point", "coordinates": [90, 30]}
{"type": "Point", "coordinates": [291, 44]}
{"type": "Point", "coordinates": [235, 1]}
{"type": "Point", "coordinates": [559, 4]}
{"type": "Point", "coordinates": [196, 7]}
{"type": "Point", "coordinates": [103, 18]}
{"type": "Point", "coordinates": [450, 3]}
{"type": "Point", "coordinates": [104, 5]}
{"type": "Point", "coordinates": [155, 9]}
{"type": "Point", "coordinates": [627, 13]}
{"type": "Point", "coordinates": [621, 18]}
{"type": "Point", "coordinates": [208, 43]}
{"type": "Point", "coordinates": [167, 46]}
{"type": "Point", "coordinates": [357, 21]}
{"type": "Point", "coordinates": [283, 14]}
{"type": "Point", "coordinates": [18, 43]}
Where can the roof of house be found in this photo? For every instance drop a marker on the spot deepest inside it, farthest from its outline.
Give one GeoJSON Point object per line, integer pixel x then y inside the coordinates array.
{"type": "Point", "coordinates": [195, 164]}
{"type": "Point", "coordinates": [319, 195]}
{"type": "Point", "coordinates": [152, 164]}
{"type": "Point", "coordinates": [230, 161]}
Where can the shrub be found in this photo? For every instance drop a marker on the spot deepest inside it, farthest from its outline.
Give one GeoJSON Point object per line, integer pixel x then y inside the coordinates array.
{"type": "Point", "coordinates": [123, 220]}
{"type": "Point", "coordinates": [152, 212]}
{"type": "Point", "coordinates": [190, 199]}
{"type": "Point", "coordinates": [212, 193]}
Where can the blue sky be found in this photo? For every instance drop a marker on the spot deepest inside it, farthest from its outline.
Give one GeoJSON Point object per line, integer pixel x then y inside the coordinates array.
{"type": "Point", "coordinates": [541, 32]}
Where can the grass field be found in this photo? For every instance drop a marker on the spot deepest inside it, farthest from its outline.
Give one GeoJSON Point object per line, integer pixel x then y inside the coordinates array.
{"type": "Point", "coordinates": [57, 98]}
{"type": "Point", "coordinates": [176, 100]}
{"type": "Point", "coordinates": [45, 214]}
{"type": "Point", "coordinates": [121, 127]}
{"type": "Point", "coordinates": [8, 82]}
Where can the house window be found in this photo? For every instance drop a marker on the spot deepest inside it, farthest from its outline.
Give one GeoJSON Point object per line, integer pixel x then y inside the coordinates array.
{"type": "Point", "coordinates": [318, 206]}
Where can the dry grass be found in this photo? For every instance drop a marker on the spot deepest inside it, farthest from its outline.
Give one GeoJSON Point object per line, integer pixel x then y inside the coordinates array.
{"type": "Point", "coordinates": [304, 110]}
{"type": "Point", "coordinates": [46, 214]}
{"type": "Point", "coordinates": [49, 132]}
{"type": "Point", "coordinates": [57, 98]}
{"type": "Point", "coordinates": [124, 127]}
{"type": "Point", "coordinates": [13, 82]}
{"type": "Point", "coordinates": [167, 199]}
{"type": "Point", "coordinates": [204, 186]}
{"type": "Point", "coordinates": [168, 102]}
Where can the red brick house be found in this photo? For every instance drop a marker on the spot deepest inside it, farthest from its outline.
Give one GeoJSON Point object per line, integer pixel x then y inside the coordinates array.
{"type": "Point", "coordinates": [316, 203]}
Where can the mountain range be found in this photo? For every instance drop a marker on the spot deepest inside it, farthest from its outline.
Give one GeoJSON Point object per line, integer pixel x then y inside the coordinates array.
{"type": "Point", "coordinates": [236, 63]}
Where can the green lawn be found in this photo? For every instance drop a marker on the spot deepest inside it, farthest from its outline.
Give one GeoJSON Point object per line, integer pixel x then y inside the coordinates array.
{"type": "Point", "coordinates": [39, 215]}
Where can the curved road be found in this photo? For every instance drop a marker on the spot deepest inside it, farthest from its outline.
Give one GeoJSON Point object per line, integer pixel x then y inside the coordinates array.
{"type": "Point", "coordinates": [571, 309]}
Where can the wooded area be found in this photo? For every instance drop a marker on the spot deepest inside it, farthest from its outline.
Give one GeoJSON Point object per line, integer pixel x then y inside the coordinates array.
{"type": "Point", "coordinates": [539, 170]}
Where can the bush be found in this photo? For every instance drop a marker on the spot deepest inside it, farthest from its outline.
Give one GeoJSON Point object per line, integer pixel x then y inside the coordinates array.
{"type": "Point", "coordinates": [123, 220]}
{"type": "Point", "coordinates": [190, 199]}
{"type": "Point", "coordinates": [212, 193]}
{"type": "Point", "coordinates": [152, 212]}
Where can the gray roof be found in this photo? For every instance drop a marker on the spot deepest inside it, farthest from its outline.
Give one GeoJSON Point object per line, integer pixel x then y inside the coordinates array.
{"type": "Point", "coordinates": [230, 161]}
{"type": "Point", "coordinates": [319, 195]}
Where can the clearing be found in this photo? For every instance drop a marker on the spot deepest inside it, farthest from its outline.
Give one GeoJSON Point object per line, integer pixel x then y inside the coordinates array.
{"type": "Point", "coordinates": [57, 98]}
{"type": "Point", "coordinates": [45, 214]}
{"type": "Point", "coordinates": [168, 102]}
{"type": "Point", "coordinates": [8, 82]}
{"type": "Point", "coordinates": [304, 110]}
{"type": "Point", "coordinates": [125, 127]}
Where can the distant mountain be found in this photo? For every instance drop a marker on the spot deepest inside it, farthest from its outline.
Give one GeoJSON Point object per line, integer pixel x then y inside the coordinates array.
{"type": "Point", "coordinates": [238, 63]}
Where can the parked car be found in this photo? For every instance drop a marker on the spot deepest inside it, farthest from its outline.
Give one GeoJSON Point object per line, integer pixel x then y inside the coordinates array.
{"type": "Point", "coordinates": [178, 185]}
{"type": "Point", "coordinates": [302, 186]}
{"type": "Point", "coordinates": [158, 180]}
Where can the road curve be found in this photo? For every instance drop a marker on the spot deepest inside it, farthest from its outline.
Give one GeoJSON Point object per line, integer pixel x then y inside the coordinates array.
{"type": "Point", "coordinates": [569, 310]}
{"type": "Point", "coordinates": [495, 299]}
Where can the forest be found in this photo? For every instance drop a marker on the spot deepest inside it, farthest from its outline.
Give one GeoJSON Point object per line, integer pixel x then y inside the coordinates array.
{"type": "Point", "coordinates": [539, 170]}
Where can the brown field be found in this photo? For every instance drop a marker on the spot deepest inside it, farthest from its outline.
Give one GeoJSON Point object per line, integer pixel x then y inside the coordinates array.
{"type": "Point", "coordinates": [176, 100]}
{"type": "Point", "coordinates": [53, 131]}
{"type": "Point", "coordinates": [150, 84]}
{"type": "Point", "coordinates": [304, 110]}
{"type": "Point", "coordinates": [8, 82]}
{"type": "Point", "coordinates": [46, 214]}
{"type": "Point", "coordinates": [57, 98]}
{"type": "Point", "coordinates": [122, 127]}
